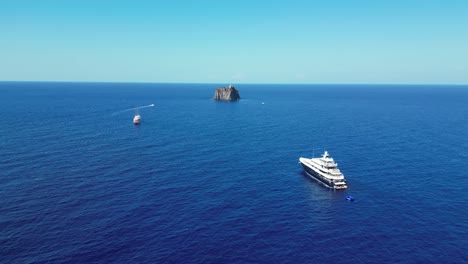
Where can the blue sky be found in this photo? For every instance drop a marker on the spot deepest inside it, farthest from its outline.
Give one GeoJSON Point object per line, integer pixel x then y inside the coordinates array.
{"type": "Point", "coordinates": [392, 41]}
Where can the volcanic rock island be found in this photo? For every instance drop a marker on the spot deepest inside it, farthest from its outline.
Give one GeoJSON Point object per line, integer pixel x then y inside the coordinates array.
{"type": "Point", "coordinates": [229, 93]}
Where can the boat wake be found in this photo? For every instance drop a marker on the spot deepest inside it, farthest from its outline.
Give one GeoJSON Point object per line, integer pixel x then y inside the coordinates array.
{"type": "Point", "coordinates": [134, 108]}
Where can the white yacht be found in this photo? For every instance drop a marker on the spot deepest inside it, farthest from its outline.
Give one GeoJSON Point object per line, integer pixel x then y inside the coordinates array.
{"type": "Point", "coordinates": [136, 120]}
{"type": "Point", "coordinates": [325, 170]}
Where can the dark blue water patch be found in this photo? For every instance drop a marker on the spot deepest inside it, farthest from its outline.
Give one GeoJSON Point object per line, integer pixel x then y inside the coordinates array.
{"type": "Point", "coordinates": [201, 181]}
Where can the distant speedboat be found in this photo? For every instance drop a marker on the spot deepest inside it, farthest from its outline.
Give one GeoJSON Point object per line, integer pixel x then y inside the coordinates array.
{"type": "Point", "coordinates": [325, 170]}
{"type": "Point", "coordinates": [137, 120]}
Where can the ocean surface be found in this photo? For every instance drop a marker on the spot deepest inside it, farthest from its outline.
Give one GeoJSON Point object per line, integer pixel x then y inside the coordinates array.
{"type": "Point", "coordinates": [201, 181]}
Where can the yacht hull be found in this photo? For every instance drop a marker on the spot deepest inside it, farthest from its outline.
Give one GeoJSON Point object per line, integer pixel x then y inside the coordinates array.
{"type": "Point", "coordinates": [314, 175]}
{"type": "Point", "coordinates": [328, 183]}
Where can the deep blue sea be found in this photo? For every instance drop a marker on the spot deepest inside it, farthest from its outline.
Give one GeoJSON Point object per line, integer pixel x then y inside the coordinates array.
{"type": "Point", "coordinates": [201, 181]}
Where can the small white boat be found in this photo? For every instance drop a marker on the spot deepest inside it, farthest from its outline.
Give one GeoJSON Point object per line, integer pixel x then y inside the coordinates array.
{"type": "Point", "coordinates": [137, 120]}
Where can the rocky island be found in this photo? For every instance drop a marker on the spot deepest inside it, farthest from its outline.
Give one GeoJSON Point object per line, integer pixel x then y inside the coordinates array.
{"type": "Point", "coordinates": [229, 93]}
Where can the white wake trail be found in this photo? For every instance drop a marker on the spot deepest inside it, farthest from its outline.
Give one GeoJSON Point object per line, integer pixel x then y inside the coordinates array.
{"type": "Point", "coordinates": [139, 107]}
{"type": "Point", "coordinates": [135, 108]}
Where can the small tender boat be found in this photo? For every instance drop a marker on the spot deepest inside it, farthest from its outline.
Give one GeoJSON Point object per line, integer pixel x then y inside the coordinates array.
{"type": "Point", "coordinates": [137, 120]}
{"type": "Point", "coordinates": [349, 198]}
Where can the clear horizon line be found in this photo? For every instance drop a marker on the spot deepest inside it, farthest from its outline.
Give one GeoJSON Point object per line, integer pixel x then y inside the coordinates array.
{"type": "Point", "coordinates": [227, 83]}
